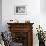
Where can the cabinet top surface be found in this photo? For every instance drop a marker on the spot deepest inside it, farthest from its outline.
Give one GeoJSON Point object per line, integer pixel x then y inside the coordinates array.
{"type": "Point", "coordinates": [20, 23]}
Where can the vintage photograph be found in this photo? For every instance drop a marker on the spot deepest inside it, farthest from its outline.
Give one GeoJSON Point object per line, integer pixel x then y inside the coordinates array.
{"type": "Point", "coordinates": [20, 10]}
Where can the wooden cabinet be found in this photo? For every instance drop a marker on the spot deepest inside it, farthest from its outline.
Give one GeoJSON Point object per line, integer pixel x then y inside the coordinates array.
{"type": "Point", "coordinates": [22, 33]}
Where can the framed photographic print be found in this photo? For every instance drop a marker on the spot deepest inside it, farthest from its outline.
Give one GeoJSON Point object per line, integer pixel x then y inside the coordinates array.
{"type": "Point", "coordinates": [20, 10]}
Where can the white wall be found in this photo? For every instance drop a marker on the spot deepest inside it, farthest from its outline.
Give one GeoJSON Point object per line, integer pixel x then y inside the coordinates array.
{"type": "Point", "coordinates": [0, 15]}
{"type": "Point", "coordinates": [43, 6]}
{"type": "Point", "coordinates": [43, 14]}
{"type": "Point", "coordinates": [33, 10]}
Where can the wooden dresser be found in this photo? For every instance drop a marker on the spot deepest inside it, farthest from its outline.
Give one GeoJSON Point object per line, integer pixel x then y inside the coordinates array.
{"type": "Point", "coordinates": [22, 33]}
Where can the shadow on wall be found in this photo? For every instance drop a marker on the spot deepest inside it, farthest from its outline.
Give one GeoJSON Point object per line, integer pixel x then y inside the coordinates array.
{"type": "Point", "coordinates": [0, 15]}
{"type": "Point", "coordinates": [43, 6]}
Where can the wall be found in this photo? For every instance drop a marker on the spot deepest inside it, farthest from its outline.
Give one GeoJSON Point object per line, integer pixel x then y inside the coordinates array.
{"type": "Point", "coordinates": [43, 6]}
{"type": "Point", "coordinates": [34, 14]}
{"type": "Point", "coordinates": [43, 14]}
{"type": "Point", "coordinates": [0, 15]}
{"type": "Point", "coordinates": [33, 10]}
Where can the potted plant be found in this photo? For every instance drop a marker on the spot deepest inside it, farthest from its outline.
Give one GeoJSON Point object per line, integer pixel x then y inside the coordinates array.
{"type": "Point", "coordinates": [41, 36]}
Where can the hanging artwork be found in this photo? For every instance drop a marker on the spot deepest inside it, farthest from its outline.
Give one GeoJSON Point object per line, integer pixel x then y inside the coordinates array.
{"type": "Point", "coordinates": [20, 10]}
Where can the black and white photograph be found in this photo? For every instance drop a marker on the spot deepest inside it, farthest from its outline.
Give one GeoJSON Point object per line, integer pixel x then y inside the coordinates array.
{"type": "Point", "coordinates": [20, 10]}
